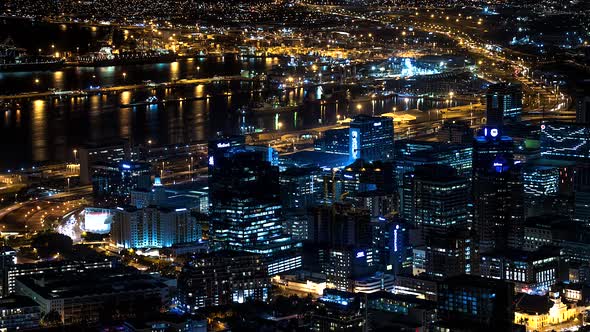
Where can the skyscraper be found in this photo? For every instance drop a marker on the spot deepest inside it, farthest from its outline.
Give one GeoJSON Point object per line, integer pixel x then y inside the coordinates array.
{"type": "Point", "coordinates": [497, 191]}
{"type": "Point", "coordinates": [371, 138]}
{"type": "Point", "coordinates": [503, 102]}
{"type": "Point", "coordinates": [583, 103]}
{"type": "Point", "coordinates": [435, 198]}
{"type": "Point", "coordinates": [566, 141]}
{"type": "Point", "coordinates": [246, 210]}
{"type": "Point", "coordinates": [112, 183]}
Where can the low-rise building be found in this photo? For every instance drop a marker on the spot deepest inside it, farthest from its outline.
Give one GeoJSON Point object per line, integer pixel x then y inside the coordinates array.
{"type": "Point", "coordinates": [91, 297]}
{"type": "Point", "coordinates": [221, 278]}
{"type": "Point", "coordinates": [540, 312]}
{"type": "Point", "coordinates": [18, 313]}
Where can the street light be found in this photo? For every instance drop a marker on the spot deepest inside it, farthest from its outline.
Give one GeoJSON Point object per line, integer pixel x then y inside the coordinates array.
{"type": "Point", "coordinates": [75, 155]}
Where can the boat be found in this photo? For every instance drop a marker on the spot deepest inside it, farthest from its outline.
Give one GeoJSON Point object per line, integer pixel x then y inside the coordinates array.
{"type": "Point", "coordinates": [151, 100]}
{"type": "Point", "coordinates": [274, 105]}
{"type": "Point", "coordinates": [14, 59]}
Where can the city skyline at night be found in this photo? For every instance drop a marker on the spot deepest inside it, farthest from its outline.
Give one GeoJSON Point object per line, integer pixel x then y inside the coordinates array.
{"type": "Point", "coordinates": [295, 165]}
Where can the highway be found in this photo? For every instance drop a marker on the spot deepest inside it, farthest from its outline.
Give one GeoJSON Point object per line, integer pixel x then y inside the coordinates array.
{"type": "Point", "coordinates": [37, 214]}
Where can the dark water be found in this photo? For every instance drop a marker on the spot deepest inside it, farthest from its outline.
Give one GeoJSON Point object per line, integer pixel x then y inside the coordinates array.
{"type": "Point", "coordinates": [49, 129]}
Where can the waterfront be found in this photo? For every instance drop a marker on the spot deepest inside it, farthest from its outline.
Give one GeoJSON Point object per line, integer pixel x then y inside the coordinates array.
{"type": "Point", "coordinates": [49, 129]}
{"type": "Point", "coordinates": [43, 130]}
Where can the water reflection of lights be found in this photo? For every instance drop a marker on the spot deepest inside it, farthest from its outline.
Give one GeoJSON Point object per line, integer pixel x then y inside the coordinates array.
{"type": "Point", "coordinates": [39, 135]}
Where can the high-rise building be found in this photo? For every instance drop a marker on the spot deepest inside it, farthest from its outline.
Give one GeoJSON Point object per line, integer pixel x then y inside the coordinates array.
{"type": "Point", "coordinates": [498, 192]}
{"type": "Point", "coordinates": [153, 227]}
{"type": "Point", "coordinates": [409, 154]}
{"type": "Point", "coordinates": [339, 311]}
{"type": "Point", "coordinates": [391, 242]}
{"type": "Point", "coordinates": [566, 141]}
{"type": "Point", "coordinates": [300, 187]}
{"type": "Point", "coordinates": [583, 103]}
{"type": "Point", "coordinates": [340, 240]}
{"type": "Point", "coordinates": [91, 154]}
{"type": "Point", "coordinates": [503, 102]}
{"type": "Point", "coordinates": [379, 203]}
{"type": "Point", "coordinates": [445, 255]}
{"type": "Point", "coordinates": [334, 141]}
{"type": "Point", "coordinates": [340, 225]}
{"type": "Point", "coordinates": [455, 132]}
{"type": "Point", "coordinates": [112, 183]}
{"type": "Point", "coordinates": [344, 265]}
{"type": "Point", "coordinates": [582, 194]}
{"type": "Point", "coordinates": [435, 199]}
{"type": "Point", "coordinates": [540, 183]}
{"type": "Point", "coordinates": [222, 278]}
{"type": "Point", "coordinates": [245, 207]}
{"type": "Point", "coordinates": [363, 176]}
{"type": "Point", "coordinates": [371, 138]}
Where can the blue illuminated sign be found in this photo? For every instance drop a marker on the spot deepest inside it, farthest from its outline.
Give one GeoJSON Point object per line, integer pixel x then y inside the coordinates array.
{"type": "Point", "coordinates": [354, 143]}
{"type": "Point", "coordinates": [223, 145]}
{"type": "Point", "coordinates": [126, 166]}
{"type": "Point", "coordinates": [491, 132]}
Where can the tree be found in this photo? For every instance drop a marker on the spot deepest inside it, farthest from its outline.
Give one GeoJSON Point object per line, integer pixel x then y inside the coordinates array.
{"type": "Point", "coordinates": [50, 244]}
{"type": "Point", "coordinates": [52, 318]}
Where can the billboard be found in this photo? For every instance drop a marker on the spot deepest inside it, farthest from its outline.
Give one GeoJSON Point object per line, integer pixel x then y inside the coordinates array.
{"type": "Point", "coordinates": [97, 220]}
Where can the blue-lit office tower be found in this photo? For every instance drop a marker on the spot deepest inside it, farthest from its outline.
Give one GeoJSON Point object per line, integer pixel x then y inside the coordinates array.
{"type": "Point", "coordinates": [498, 192]}
{"type": "Point", "coordinates": [245, 208]}
{"type": "Point", "coordinates": [112, 183]}
{"type": "Point", "coordinates": [334, 141]}
{"type": "Point", "coordinates": [218, 147]}
{"type": "Point", "coordinates": [391, 243]}
{"type": "Point", "coordinates": [371, 138]}
{"type": "Point", "coordinates": [435, 199]}
{"type": "Point", "coordinates": [503, 102]}
{"type": "Point", "coordinates": [566, 141]}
